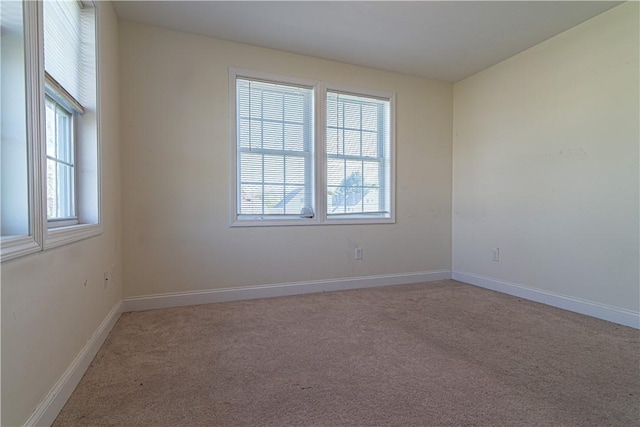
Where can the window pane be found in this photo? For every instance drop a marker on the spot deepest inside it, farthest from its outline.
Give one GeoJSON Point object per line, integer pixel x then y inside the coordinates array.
{"type": "Point", "coordinates": [244, 133]}
{"type": "Point", "coordinates": [369, 117]}
{"type": "Point", "coordinates": [63, 136]}
{"type": "Point", "coordinates": [332, 110]}
{"type": "Point", "coordinates": [294, 200]}
{"type": "Point", "coordinates": [50, 130]}
{"type": "Point", "coordinates": [14, 193]}
{"type": "Point", "coordinates": [332, 141]}
{"type": "Point", "coordinates": [274, 169]}
{"type": "Point", "coordinates": [274, 199]}
{"type": "Point", "coordinates": [295, 170]}
{"type": "Point", "coordinates": [250, 199]}
{"type": "Point", "coordinates": [272, 138]}
{"type": "Point", "coordinates": [351, 115]}
{"type": "Point", "coordinates": [294, 108]}
{"type": "Point", "coordinates": [60, 169]}
{"type": "Point", "coordinates": [294, 137]}
{"type": "Point", "coordinates": [371, 174]}
{"type": "Point", "coordinates": [352, 143]}
{"type": "Point", "coordinates": [251, 167]}
{"type": "Point", "coordinates": [60, 202]}
{"type": "Point", "coordinates": [335, 171]}
{"type": "Point", "coordinates": [369, 144]}
{"type": "Point", "coordinates": [272, 105]}
{"type": "Point", "coordinates": [371, 200]}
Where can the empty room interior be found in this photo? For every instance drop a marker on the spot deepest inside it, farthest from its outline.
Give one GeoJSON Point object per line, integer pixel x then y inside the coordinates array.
{"type": "Point", "coordinates": [320, 213]}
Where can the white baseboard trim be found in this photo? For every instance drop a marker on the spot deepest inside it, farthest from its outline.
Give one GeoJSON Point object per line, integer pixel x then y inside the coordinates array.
{"type": "Point", "coordinates": [597, 310]}
{"type": "Point", "coordinates": [47, 411]}
{"type": "Point", "coordinates": [150, 302]}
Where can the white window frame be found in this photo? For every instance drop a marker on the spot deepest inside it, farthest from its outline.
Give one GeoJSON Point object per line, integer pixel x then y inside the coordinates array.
{"type": "Point", "coordinates": [84, 228]}
{"type": "Point", "coordinates": [318, 151]}
{"type": "Point", "coordinates": [41, 236]}
{"type": "Point", "coordinates": [237, 73]}
{"type": "Point", "coordinates": [17, 246]}
{"type": "Point", "coordinates": [365, 218]}
{"type": "Point", "coordinates": [72, 220]}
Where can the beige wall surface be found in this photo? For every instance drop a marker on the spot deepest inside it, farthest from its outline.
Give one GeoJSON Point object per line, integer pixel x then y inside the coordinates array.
{"type": "Point", "coordinates": [47, 313]}
{"type": "Point", "coordinates": [546, 165]}
{"type": "Point", "coordinates": [176, 166]}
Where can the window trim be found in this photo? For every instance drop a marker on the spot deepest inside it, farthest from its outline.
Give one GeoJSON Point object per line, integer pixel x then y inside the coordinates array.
{"type": "Point", "coordinates": [274, 220]}
{"type": "Point", "coordinates": [318, 152]}
{"type": "Point", "coordinates": [13, 247]}
{"type": "Point", "coordinates": [65, 234]}
{"type": "Point", "coordinates": [364, 218]}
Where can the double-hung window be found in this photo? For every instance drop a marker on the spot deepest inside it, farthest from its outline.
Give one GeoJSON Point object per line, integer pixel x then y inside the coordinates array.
{"type": "Point", "coordinates": [68, 29]}
{"type": "Point", "coordinates": [358, 152]}
{"type": "Point", "coordinates": [50, 152]}
{"type": "Point", "coordinates": [274, 150]}
{"type": "Point", "coordinates": [307, 152]}
{"type": "Point", "coordinates": [71, 172]}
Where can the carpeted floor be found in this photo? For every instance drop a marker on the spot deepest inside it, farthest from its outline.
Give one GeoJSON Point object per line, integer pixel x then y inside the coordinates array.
{"type": "Point", "coordinates": [442, 353]}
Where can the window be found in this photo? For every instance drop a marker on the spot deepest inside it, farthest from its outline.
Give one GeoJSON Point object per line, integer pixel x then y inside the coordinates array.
{"type": "Point", "coordinates": [289, 171]}
{"type": "Point", "coordinates": [19, 230]}
{"type": "Point", "coordinates": [275, 140]}
{"type": "Point", "coordinates": [50, 146]}
{"type": "Point", "coordinates": [358, 155]}
{"type": "Point", "coordinates": [71, 171]}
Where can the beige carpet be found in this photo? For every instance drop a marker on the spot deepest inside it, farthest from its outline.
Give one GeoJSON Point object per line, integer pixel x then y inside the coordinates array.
{"type": "Point", "coordinates": [441, 353]}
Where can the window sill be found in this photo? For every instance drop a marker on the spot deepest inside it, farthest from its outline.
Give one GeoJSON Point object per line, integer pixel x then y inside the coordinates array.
{"type": "Point", "coordinates": [274, 222]}
{"type": "Point", "coordinates": [361, 220]}
{"type": "Point", "coordinates": [53, 224]}
{"type": "Point", "coordinates": [17, 246]}
{"type": "Point", "coordinates": [64, 235]}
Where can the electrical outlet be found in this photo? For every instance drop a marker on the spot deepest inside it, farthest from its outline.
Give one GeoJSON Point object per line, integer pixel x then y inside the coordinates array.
{"type": "Point", "coordinates": [358, 253]}
{"type": "Point", "coordinates": [495, 254]}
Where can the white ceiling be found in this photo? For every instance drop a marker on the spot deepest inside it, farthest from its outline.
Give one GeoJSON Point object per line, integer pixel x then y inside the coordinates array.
{"type": "Point", "coordinates": [446, 40]}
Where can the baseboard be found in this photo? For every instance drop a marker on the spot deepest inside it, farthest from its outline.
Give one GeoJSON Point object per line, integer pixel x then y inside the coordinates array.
{"type": "Point", "coordinates": [600, 311]}
{"type": "Point", "coordinates": [150, 302]}
{"type": "Point", "coordinates": [47, 411]}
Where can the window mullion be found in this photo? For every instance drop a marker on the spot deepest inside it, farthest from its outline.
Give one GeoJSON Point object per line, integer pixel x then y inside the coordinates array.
{"type": "Point", "coordinates": [284, 159]}
{"type": "Point", "coordinates": [361, 164]}
{"type": "Point", "coordinates": [262, 145]}
{"type": "Point", "coordinates": [320, 152]}
{"type": "Point", "coordinates": [382, 192]}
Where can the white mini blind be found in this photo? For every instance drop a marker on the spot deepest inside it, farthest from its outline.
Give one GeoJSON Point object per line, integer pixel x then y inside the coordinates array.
{"type": "Point", "coordinates": [358, 155]}
{"type": "Point", "coordinates": [69, 49]}
{"type": "Point", "coordinates": [275, 150]}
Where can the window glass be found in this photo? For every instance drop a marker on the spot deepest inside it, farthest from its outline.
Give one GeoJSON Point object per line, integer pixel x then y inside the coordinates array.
{"type": "Point", "coordinates": [13, 127]}
{"type": "Point", "coordinates": [60, 162]}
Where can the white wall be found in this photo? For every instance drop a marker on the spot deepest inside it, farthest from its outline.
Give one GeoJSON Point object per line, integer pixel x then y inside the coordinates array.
{"type": "Point", "coordinates": [546, 165]}
{"type": "Point", "coordinates": [47, 313]}
{"type": "Point", "coordinates": [176, 146]}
